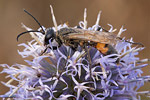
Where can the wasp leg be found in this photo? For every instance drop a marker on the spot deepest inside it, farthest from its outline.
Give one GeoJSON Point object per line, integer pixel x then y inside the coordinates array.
{"type": "Point", "coordinates": [72, 44]}
{"type": "Point", "coordinates": [87, 51]}
{"type": "Point", "coordinates": [88, 55]}
{"type": "Point", "coordinates": [53, 48]}
{"type": "Point", "coordinates": [74, 47]}
{"type": "Point", "coordinates": [44, 51]}
{"type": "Point", "coordinates": [134, 43]}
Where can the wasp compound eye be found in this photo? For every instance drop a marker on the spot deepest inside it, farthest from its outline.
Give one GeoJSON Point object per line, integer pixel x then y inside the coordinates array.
{"type": "Point", "coordinates": [49, 34]}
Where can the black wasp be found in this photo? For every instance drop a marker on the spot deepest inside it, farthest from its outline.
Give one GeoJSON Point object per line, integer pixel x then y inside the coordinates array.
{"type": "Point", "coordinates": [74, 37]}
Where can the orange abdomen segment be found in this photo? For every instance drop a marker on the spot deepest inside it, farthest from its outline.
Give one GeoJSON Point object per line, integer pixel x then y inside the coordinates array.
{"type": "Point", "coordinates": [101, 47]}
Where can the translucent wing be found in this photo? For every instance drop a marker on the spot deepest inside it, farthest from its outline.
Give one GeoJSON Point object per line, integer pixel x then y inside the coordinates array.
{"type": "Point", "coordinates": [94, 36]}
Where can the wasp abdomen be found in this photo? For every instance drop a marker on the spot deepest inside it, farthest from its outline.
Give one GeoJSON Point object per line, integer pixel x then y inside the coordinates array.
{"type": "Point", "coordinates": [105, 49]}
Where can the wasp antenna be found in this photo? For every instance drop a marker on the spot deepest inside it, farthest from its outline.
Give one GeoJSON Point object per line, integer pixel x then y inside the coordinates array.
{"type": "Point", "coordinates": [54, 20]}
{"type": "Point", "coordinates": [34, 19]}
{"type": "Point", "coordinates": [85, 15]}
{"type": "Point", "coordinates": [25, 33]}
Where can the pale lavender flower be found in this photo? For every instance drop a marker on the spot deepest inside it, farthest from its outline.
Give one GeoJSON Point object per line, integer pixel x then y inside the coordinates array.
{"type": "Point", "coordinates": [64, 74]}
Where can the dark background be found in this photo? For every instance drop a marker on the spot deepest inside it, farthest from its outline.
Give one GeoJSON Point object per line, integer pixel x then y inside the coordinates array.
{"type": "Point", "coordinates": [133, 14]}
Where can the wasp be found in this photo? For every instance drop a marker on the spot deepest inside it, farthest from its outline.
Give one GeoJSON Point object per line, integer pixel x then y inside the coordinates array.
{"type": "Point", "coordinates": [74, 37]}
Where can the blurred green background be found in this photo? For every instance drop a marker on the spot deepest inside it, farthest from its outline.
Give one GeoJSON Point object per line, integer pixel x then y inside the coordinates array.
{"type": "Point", "coordinates": [133, 14]}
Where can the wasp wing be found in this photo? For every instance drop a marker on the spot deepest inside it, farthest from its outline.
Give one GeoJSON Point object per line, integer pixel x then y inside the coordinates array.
{"type": "Point", "coordinates": [93, 36]}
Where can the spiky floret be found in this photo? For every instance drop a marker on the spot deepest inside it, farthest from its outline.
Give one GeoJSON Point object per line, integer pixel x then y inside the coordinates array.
{"type": "Point", "coordinates": [64, 74]}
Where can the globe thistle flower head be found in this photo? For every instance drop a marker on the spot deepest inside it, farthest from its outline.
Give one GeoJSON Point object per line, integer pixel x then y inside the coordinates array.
{"type": "Point", "coordinates": [81, 74]}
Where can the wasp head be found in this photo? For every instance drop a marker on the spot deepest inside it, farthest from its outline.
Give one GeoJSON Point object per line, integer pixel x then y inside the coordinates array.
{"type": "Point", "coordinates": [49, 34]}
